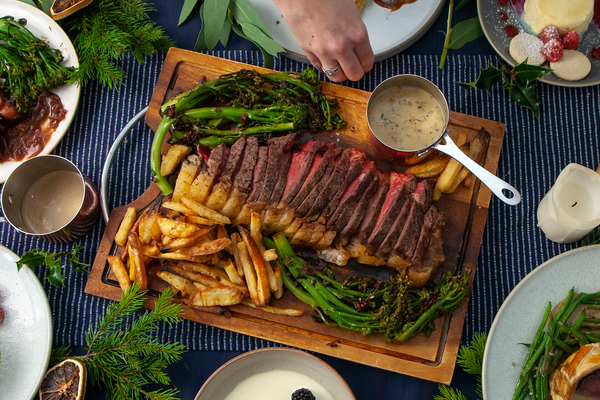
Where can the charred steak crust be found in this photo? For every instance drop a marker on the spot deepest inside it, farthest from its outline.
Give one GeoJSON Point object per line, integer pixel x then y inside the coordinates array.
{"type": "Point", "coordinates": [359, 211]}
{"type": "Point", "coordinates": [259, 174]}
{"type": "Point", "coordinates": [306, 205]}
{"type": "Point", "coordinates": [234, 159]}
{"type": "Point", "coordinates": [278, 147]}
{"type": "Point", "coordinates": [301, 163]}
{"type": "Point", "coordinates": [430, 218]}
{"type": "Point", "coordinates": [332, 186]}
{"type": "Point", "coordinates": [370, 219]}
{"type": "Point", "coordinates": [284, 168]}
{"type": "Point", "coordinates": [421, 200]}
{"type": "Point", "coordinates": [314, 176]}
{"type": "Point", "coordinates": [243, 177]}
{"type": "Point", "coordinates": [391, 238]}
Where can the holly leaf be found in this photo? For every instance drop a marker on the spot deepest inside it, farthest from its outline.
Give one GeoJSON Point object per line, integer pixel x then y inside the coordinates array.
{"type": "Point", "coordinates": [215, 13]}
{"type": "Point", "coordinates": [37, 257]}
{"type": "Point", "coordinates": [529, 73]}
{"type": "Point", "coordinates": [487, 77]}
{"type": "Point", "coordinates": [465, 32]}
{"type": "Point", "coordinates": [31, 259]}
{"type": "Point", "coordinates": [186, 10]}
{"type": "Point", "coordinates": [524, 94]}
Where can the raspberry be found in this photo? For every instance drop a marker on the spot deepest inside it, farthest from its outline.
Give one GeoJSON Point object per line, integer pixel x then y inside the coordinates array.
{"type": "Point", "coordinates": [550, 32]}
{"type": "Point", "coordinates": [553, 50]}
{"type": "Point", "coordinates": [571, 40]}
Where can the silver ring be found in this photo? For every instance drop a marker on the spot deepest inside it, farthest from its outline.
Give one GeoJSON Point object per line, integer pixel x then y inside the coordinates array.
{"type": "Point", "coordinates": [330, 72]}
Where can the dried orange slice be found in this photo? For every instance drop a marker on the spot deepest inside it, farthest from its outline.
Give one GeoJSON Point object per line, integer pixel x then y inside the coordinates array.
{"type": "Point", "coordinates": [64, 381]}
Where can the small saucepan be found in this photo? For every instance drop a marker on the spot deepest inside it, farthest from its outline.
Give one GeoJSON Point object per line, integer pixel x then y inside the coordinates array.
{"type": "Point", "coordinates": [396, 134]}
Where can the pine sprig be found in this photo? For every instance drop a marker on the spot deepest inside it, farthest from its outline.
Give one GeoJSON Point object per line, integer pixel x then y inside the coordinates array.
{"type": "Point", "coordinates": [447, 393]}
{"type": "Point", "coordinates": [123, 355]}
{"type": "Point", "coordinates": [592, 238]}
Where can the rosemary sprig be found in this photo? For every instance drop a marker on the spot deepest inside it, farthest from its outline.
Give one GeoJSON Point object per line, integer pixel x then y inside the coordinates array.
{"type": "Point", "coordinates": [124, 357]}
{"type": "Point", "coordinates": [53, 261]}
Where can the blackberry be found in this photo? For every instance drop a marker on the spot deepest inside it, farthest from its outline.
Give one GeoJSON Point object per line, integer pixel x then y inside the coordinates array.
{"type": "Point", "coordinates": [303, 394]}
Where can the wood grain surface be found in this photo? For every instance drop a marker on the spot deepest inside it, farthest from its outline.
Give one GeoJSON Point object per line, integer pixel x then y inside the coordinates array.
{"type": "Point", "coordinates": [432, 358]}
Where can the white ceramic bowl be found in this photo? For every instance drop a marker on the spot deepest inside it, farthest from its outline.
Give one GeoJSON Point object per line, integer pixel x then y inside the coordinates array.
{"type": "Point", "coordinates": [226, 378]}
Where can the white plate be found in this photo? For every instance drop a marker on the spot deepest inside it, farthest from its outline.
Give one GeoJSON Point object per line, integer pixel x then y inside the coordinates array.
{"type": "Point", "coordinates": [26, 333]}
{"type": "Point", "coordinates": [42, 26]}
{"type": "Point", "coordinates": [390, 32]}
{"type": "Point", "coordinates": [521, 313]}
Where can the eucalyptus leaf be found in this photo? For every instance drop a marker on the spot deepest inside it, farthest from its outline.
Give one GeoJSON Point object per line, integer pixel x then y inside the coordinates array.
{"type": "Point", "coordinates": [465, 32]}
{"type": "Point", "coordinates": [244, 13]}
{"type": "Point", "coordinates": [186, 10]}
{"type": "Point", "coordinates": [200, 42]}
{"type": "Point", "coordinates": [215, 13]}
{"type": "Point", "coordinates": [257, 36]}
{"type": "Point", "coordinates": [266, 56]}
{"type": "Point", "coordinates": [225, 32]}
{"type": "Point", "coordinates": [461, 4]}
{"type": "Point", "coordinates": [46, 5]}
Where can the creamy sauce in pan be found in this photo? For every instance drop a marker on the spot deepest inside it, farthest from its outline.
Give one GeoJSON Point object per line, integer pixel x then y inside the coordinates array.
{"type": "Point", "coordinates": [406, 118]}
{"type": "Point", "coordinates": [276, 385]}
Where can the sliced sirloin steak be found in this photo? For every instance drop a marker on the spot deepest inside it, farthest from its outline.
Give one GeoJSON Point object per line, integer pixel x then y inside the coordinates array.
{"type": "Point", "coordinates": [429, 220]}
{"type": "Point", "coordinates": [391, 238]}
{"type": "Point", "coordinates": [421, 200]}
{"type": "Point", "coordinates": [351, 196]}
{"type": "Point", "coordinates": [434, 256]}
{"type": "Point", "coordinates": [301, 163]}
{"type": "Point", "coordinates": [309, 201]}
{"type": "Point", "coordinates": [259, 174]}
{"type": "Point", "coordinates": [317, 169]}
{"type": "Point", "coordinates": [374, 208]}
{"type": "Point", "coordinates": [400, 185]}
{"type": "Point", "coordinates": [331, 187]}
{"type": "Point", "coordinates": [284, 168]}
{"type": "Point", "coordinates": [235, 158]}
{"type": "Point", "coordinates": [278, 147]}
{"type": "Point", "coordinates": [243, 177]}
{"type": "Point", "coordinates": [359, 212]}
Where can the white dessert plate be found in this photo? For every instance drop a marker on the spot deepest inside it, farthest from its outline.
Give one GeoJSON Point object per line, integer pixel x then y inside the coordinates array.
{"type": "Point", "coordinates": [26, 333]}
{"type": "Point", "coordinates": [390, 32]}
{"type": "Point", "coordinates": [42, 26]}
{"type": "Point", "coordinates": [520, 315]}
{"type": "Point", "coordinates": [493, 27]}
{"type": "Point", "coordinates": [225, 379]}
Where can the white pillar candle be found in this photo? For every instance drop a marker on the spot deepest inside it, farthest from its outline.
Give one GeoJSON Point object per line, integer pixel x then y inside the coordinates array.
{"type": "Point", "coordinates": [571, 208]}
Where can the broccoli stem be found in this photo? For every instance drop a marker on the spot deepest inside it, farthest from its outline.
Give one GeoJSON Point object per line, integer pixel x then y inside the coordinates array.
{"type": "Point", "coordinates": [156, 156]}
{"type": "Point", "coordinates": [269, 114]}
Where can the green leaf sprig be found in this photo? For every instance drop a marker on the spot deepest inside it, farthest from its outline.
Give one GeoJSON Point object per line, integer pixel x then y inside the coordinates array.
{"type": "Point", "coordinates": [461, 34]}
{"type": "Point", "coordinates": [125, 357]}
{"type": "Point", "coordinates": [592, 238]}
{"type": "Point", "coordinates": [220, 17]}
{"type": "Point", "coordinates": [518, 81]}
{"type": "Point", "coordinates": [54, 263]}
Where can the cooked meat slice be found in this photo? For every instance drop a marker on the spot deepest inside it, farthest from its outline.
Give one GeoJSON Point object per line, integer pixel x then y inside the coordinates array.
{"type": "Point", "coordinates": [434, 257]}
{"type": "Point", "coordinates": [284, 168]}
{"type": "Point", "coordinates": [370, 219]}
{"type": "Point", "coordinates": [429, 220]}
{"type": "Point", "coordinates": [359, 212]}
{"type": "Point", "coordinates": [259, 174]}
{"type": "Point", "coordinates": [301, 164]}
{"type": "Point", "coordinates": [351, 196]}
{"type": "Point", "coordinates": [391, 238]}
{"type": "Point", "coordinates": [278, 147]}
{"type": "Point", "coordinates": [234, 160]}
{"type": "Point", "coordinates": [315, 174]}
{"type": "Point", "coordinates": [356, 160]}
{"type": "Point", "coordinates": [243, 177]}
{"type": "Point", "coordinates": [420, 199]}
{"type": "Point", "coordinates": [331, 187]}
{"type": "Point", "coordinates": [309, 201]}
{"type": "Point", "coordinates": [400, 186]}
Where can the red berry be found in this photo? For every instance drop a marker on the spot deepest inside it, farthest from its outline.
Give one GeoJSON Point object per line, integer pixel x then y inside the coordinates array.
{"type": "Point", "coordinates": [511, 31]}
{"type": "Point", "coordinates": [571, 40]}
{"type": "Point", "coordinates": [503, 3]}
{"type": "Point", "coordinates": [553, 50]}
{"type": "Point", "coordinates": [503, 16]}
{"type": "Point", "coordinates": [1, 315]}
{"type": "Point", "coordinates": [595, 54]}
{"type": "Point", "coordinates": [550, 32]}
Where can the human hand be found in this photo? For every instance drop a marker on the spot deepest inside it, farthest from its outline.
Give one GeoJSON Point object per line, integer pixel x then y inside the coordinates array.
{"type": "Point", "coordinates": [331, 33]}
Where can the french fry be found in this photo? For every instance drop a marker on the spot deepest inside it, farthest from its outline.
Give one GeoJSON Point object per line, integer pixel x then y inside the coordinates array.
{"type": "Point", "coordinates": [194, 219]}
{"type": "Point", "coordinates": [206, 280]}
{"type": "Point", "coordinates": [232, 273]}
{"type": "Point", "coordinates": [196, 285]}
{"type": "Point", "coordinates": [449, 175]}
{"type": "Point", "coordinates": [204, 211]}
{"type": "Point", "coordinates": [279, 276]}
{"type": "Point", "coordinates": [175, 229]}
{"type": "Point", "coordinates": [270, 255]}
{"type": "Point", "coordinates": [235, 239]}
{"type": "Point", "coordinates": [120, 272]}
{"type": "Point", "coordinates": [175, 206]}
{"type": "Point", "coordinates": [477, 151]}
{"type": "Point", "coordinates": [255, 225]}
{"type": "Point", "coordinates": [249, 273]}
{"type": "Point", "coordinates": [255, 233]}
{"type": "Point", "coordinates": [136, 258]}
{"type": "Point", "coordinates": [415, 159]}
{"type": "Point", "coordinates": [126, 225]}
{"type": "Point", "coordinates": [262, 277]}
{"type": "Point", "coordinates": [210, 247]}
{"type": "Point", "coordinates": [180, 243]}
{"type": "Point", "coordinates": [173, 158]}
{"type": "Point", "coordinates": [430, 168]}
{"type": "Point", "coordinates": [216, 273]}
{"type": "Point", "coordinates": [461, 139]}
{"type": "Point", "coordinates": [216, 296]}
{"type": "Point", "coordinates": [290, 312]}
{"type": "Point", "coordinates": [436, 194]}
{"type": "Point", "coordinates": [187, 174]}
{"type": "Point", "coordinates": [147, 225]}
{"type": "Point", "coordinates": [177, 282]}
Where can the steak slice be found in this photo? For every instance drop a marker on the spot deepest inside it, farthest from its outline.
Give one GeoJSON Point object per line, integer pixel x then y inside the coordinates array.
{"type": "Point", "coordinates": [370, 219]}
{"type": "Point", "coordinates": [421, 200]}
{"type": "Point", "coordinates": [234, 159]}
{"type": "Point", "coordinates": [430, 218]}
{"type": "Point", "coordinates": [331, 187]}
{"type": "Point", "coordinates": [259, 174]}
{"type": "Point", "coordinates": [351, 197]}
{"type": "Point", "coordinates": [301, 163]}
{"type": "Point", "coordinates": [284, 168]}
{"type": "Point", "coordinates": [356, 160]}
{"type": "Point", "coordinates": [277, 148]}
{"type": "Point", "coordinates": [359, 211]}
{"type": "Point", "coordinates": [400, 186]}
{"type": "Point", "coordinates": [434, 256]}
{"type": "Point", "coordinates": [391, 238]}
{"type": "Point", "coordinates": [317, 169]}
{"type": "Point", "coordinates": [243, 177]}
{"type": "Point", "coordinates": [306, 205]}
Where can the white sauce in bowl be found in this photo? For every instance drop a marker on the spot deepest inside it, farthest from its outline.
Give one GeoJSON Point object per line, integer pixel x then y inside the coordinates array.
{"type": "Point", "coordinates": [406, 118]}
{"type": "Point", "coordinates": [276, 385]}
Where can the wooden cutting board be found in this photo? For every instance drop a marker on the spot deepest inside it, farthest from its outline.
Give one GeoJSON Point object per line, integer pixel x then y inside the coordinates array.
{"type": "Point", "coordinates": [432, 358]}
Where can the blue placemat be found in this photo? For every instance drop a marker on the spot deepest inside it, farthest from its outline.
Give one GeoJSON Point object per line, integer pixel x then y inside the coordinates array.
{"type": "Point", "coordinates": [534, 153]}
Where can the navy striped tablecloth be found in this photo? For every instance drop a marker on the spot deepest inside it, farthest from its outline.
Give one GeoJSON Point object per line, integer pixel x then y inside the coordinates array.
{"type": "Point", "coordinates": [534, 153]}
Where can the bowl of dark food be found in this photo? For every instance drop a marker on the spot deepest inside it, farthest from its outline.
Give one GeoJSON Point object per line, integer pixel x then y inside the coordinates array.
{"type": "Point", "coordinates": [38, 90]}
{"type": "Point", "coordinates": [275, 373]}
{"type": "Point", "coordinates": [408, 115]}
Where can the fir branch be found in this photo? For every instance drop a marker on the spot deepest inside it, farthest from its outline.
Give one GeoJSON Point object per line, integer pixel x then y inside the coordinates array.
{"type": "Point", "coordinates": [447, 393]}
{"type": "Point", "coordinates": [122, 354]}
{"type": "Point", "coordinates": [592, 238]}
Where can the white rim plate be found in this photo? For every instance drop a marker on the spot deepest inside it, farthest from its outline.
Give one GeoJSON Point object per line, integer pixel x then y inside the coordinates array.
{"type": "Point", "coordinates": [390, 32]}
{"type": "Point", "coordinates": [26, 333]}
{"type": "Point", "coordinates": [521, 313]}
{"type": "Point", "coordinates": [42, 26]}
{"type": "Point", "coordinates": [493, 28]}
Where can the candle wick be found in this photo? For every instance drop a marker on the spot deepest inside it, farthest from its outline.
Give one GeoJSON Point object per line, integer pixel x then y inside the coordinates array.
{"type": "Point", "coordinates": [574, 204]}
